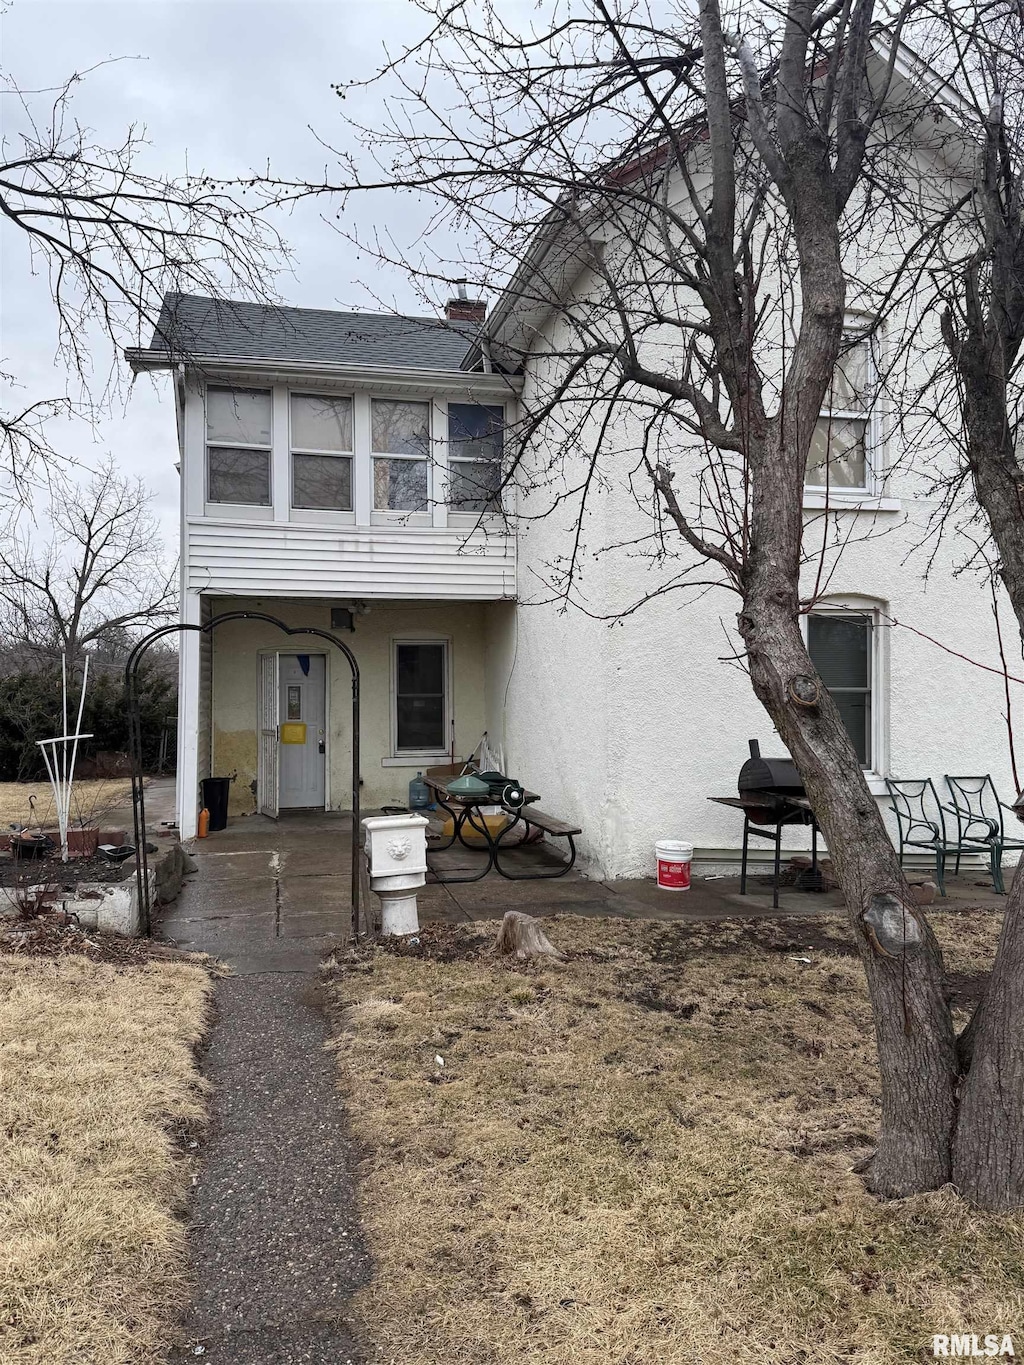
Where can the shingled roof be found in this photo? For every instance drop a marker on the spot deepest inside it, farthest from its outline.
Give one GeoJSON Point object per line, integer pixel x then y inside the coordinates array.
{"type": "Point", "coordinates": [191, 325]}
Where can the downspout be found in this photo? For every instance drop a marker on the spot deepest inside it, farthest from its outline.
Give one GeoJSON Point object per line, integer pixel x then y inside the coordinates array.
{"type": "Point", "coordinates": [179, 409]}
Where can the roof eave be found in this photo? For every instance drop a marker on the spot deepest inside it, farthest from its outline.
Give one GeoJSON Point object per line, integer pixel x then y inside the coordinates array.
{"type": "Point", "coordinates": [529, 291]}
{"type": "Point", "coordinates": [143, 360]}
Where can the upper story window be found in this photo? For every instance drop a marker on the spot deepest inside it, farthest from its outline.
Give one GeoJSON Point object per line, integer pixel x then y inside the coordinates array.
{"type": "Point", "coordinates": [840, 453]}
{"type": "Point", "coordinates": [238, 440]}
{"type": "Point", "coordinates": [842, 650]}
{"type": "Point", "coordinates": [321, 451]}
{"type": "Point", "coordinates": [400, 439]}
{"type": "Point", "coordinates": [475, 437]}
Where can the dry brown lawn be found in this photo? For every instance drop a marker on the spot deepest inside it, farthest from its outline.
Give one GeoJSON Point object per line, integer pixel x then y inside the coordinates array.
{"type": "Point", "coordinates": [89, 800]}
{"type": "Point", "coordinates": [97, 1085]}
{"type": "Point", "coordinates": [645, 1157]}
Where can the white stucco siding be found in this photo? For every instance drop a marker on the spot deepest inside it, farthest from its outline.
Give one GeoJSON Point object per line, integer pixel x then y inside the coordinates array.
{"type": "Point", "coordinates": [628, 728]}
{"type": "Point", "coordinates": [556, 732]}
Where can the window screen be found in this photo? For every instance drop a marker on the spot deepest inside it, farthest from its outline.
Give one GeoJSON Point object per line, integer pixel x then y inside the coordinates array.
{"type": "Point", "coordinates": [321, 423]}
{"type": "Point", "coordinates": [236, 475]}
{"type": "Point", "coordinates": [238, 417]}
{"type": "Point", "coordinates": [321, 427]}
{"type": "Point", "coordinates": [420, 701]}
{"type": "Point", "coordinates": [400, 434]}
{"type": "Point", "coordinates": [841, 650]}
{"type": "Point", "coordinates": [838, 455]}
{"type": "Point", "coordinates": [238, 423]}
{"type": "Point", "coordinates": [475, 436]}
{"type": "Point", "coordinates": [322, 481]}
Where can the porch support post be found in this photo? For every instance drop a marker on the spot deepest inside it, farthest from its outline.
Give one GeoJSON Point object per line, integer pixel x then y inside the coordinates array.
{"type": "Point", "coordinates": [188, 718]}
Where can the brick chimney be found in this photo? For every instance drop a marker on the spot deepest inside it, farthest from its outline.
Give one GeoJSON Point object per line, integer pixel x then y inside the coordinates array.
{"type": "Point", "coordinates": [462, 309]}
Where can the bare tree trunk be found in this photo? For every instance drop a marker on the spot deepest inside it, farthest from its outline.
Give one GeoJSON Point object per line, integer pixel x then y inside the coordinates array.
{"type": "Point", "coordinates": [988, 1163]}
{"type": "Point", "coordinates": [988, 1160]}
{"type": "Point", "coordinates": [914, 1032]}
{"type": "Point", "coordinates": [913, 1026]}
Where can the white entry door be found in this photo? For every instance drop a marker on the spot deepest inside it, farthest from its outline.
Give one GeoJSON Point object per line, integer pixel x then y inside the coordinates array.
{"type": "Point", "coordinates": [302, 701]}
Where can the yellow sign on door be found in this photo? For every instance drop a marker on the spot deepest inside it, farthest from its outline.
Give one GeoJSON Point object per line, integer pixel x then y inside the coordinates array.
{"type": "Point", "coordinates": [293, 732]}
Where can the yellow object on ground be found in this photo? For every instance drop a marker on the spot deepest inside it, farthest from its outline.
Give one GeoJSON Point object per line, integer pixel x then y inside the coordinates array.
{"type": "Point", "coordinates": [495, 824]}
{"type": "Point", "coordinates": [98, 1086]}
{"type": "Point", "coordinates": [645, 1155]}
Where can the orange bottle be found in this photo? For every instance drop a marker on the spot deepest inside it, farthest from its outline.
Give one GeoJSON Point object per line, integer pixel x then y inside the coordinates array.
{"type": "Point", "coordinates": [204, 823]}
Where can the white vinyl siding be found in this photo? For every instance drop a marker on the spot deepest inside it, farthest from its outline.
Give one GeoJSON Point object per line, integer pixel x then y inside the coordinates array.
{"type": "Point", "coordinates": [283, 559]}
{"type": "Point", "coordinates": [287, 550]}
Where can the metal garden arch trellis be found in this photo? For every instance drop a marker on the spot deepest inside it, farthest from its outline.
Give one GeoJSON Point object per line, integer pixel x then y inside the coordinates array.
{"type": "Point", "coordinates": [135, 742]}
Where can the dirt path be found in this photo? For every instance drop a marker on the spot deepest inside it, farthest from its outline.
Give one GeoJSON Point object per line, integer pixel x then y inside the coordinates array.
{"type": "Point", "coordinates": [275, 1243]}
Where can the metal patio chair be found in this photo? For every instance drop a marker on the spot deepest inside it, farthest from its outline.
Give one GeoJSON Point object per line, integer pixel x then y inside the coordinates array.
{"type": "Point", "coordinates": [921, 823]}
{"type": "Point", "coordinates": [979, 819]}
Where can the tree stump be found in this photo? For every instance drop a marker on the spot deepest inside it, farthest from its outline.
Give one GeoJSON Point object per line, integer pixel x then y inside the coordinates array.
{"type": "Point", "coordinates": [521, 936]}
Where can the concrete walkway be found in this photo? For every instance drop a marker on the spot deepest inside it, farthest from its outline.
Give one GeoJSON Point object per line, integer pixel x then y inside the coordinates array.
{"type": "Point", "coordinates": [274, 1243]}
{"type": "Point", "coordinates": [270, 895]}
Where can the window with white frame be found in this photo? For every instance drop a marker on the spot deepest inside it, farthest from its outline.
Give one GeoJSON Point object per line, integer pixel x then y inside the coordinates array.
{"type": "Point", "coordinates": [400, 441]}
{"type": "Point", "coordinates": [842, 649]}
{"type": "Point", "coordinates": [238, 441]}
{"type": "Point", "coordinates": [420, 720]}
{"type": "Point", "coordinates": [475, 437]}
{"type": "Point", "coordinates": [840, 453]}
{"type": "Point", "coordinates": [321, 452]}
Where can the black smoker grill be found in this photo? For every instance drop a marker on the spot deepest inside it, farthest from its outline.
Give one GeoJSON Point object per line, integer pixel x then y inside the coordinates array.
{"type": "Point", "coordinates": [771, 795]}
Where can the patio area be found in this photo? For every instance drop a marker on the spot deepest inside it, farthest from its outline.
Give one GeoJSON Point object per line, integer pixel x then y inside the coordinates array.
{"type": "Point", "coordinates": [273, 895]}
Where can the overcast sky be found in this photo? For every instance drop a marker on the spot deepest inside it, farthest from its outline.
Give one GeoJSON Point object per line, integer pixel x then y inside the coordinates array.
{"type": "Point", "coordinates": [228, 84]}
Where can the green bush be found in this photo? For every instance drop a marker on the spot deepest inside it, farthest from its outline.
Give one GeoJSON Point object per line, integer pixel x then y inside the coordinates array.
{"type": "Point", "coordinates": [30, 710]}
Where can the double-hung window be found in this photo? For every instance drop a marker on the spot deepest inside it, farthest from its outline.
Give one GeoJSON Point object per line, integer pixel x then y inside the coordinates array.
{"type": "Point", "coordinates": [475, 435]}
{"type": "Point", "coordinates": [321, 441]}
{"type": "Point", "coordinates": [238, 426]}
{"type": "Point", "coordinates": [840, 454]}
{"type": "Point", "coordinates": [400, 439]}
{"type": "Point", "coordinates": [420, 711]}
{"type": "Point", "coordinates": [842, 649]}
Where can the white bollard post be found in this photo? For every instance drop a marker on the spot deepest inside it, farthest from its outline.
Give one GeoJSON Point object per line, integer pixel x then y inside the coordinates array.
{"type": "Point", "coordinates": [397, 849]}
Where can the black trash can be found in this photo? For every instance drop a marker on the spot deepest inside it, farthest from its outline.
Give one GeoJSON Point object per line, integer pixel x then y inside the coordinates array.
{"type": "Point", "coordinates": [215, 799]}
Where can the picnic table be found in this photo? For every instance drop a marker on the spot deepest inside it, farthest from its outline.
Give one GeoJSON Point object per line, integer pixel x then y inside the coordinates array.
{"type": "Point", "coordinates": [468, 811]}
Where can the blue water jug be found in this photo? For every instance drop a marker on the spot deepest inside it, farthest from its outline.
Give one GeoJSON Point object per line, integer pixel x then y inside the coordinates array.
{"type": "Point", "coordinates": [419, 793]}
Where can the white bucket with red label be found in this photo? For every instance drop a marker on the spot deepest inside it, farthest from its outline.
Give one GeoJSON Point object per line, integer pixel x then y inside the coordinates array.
{"type": "Point", "coordinates": [674, 859]}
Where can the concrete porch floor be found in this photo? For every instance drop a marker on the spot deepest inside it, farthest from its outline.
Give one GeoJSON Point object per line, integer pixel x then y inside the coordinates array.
{"type": "Point", "coordinates": [274, 895]}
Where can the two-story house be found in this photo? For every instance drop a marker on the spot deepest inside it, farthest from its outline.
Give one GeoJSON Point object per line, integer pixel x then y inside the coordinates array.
{"type": "Point", "coordinates": [343, 471]}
